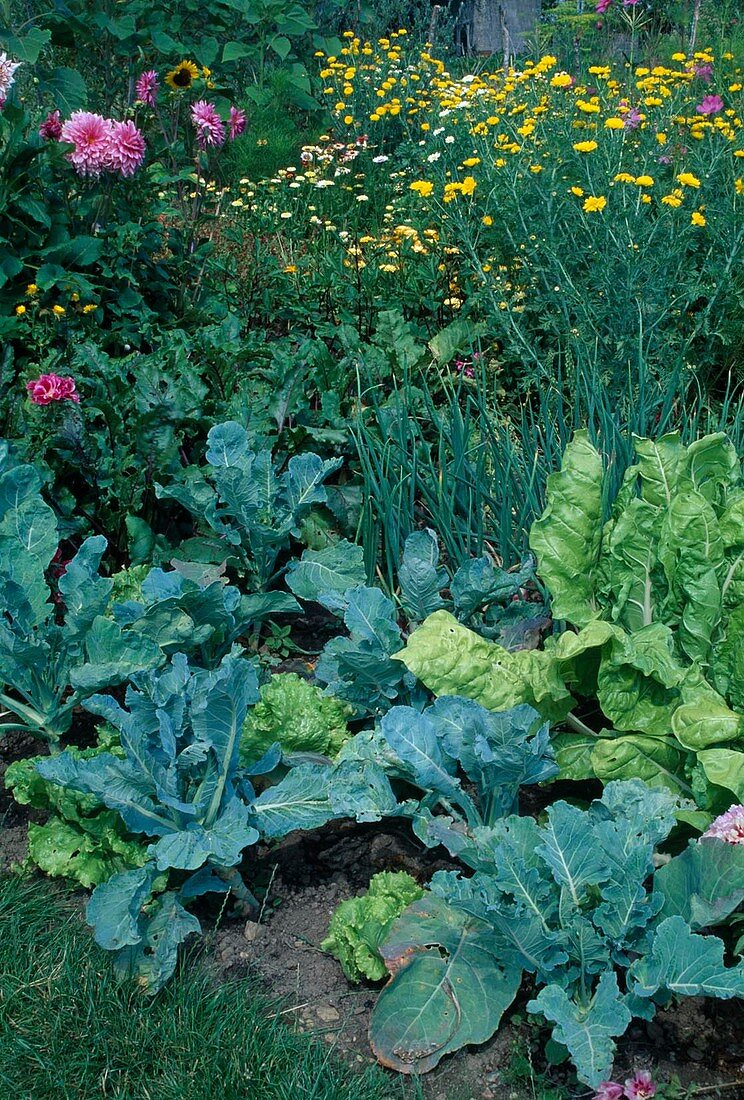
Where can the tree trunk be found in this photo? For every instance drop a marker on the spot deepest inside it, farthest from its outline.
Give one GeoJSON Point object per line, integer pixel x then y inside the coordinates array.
{"type": "Point", "coordinates": [497, 26]}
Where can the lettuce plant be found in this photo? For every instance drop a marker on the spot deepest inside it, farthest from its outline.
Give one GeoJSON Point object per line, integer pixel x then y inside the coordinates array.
{"type": "Point", "coordinates": [653, 595]}
{"type": "Point", "coordinates": [297, 715]}
{"type": "Point", "coordinates": [81, 839]}
{"type": "Point", "coordinates": [359, 925]}
{"type": "Point", "coordinates": [575, 904]}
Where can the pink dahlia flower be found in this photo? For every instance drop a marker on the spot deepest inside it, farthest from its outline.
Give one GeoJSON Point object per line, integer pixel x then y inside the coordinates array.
{"type": "Point", "coordinates": [640, 1086]}
{"type": "Point", "coordinates": [126, 148]}
{"type": "Point", "coordinates": [729, 826]}
{"type": "Point", "coordinates": [7, 76]}
{"type": "Point", "coordinates": [147, 88]}
{"type": "Point", "coordinates": [51, 127]}
{"type": "Point", "coordinates": [91, 136]}
{"type": "Point", "coordinates": [236, 123]}
{"type": "Point", "coordinates": [602, 6]}
{"type": "Point", "coordinates": [210, 129]}
{"type": "Point", "coordinates": [608, 1090]}
{"type": "Point", "coordinates": [51, 387]}
{"type": "Point", "coordinates": [711, 105]}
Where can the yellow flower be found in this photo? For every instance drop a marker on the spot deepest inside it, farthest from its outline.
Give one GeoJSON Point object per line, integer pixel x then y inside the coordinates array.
{"type": "Point", "coordinates": [182, 77]}
{"type": "Point", "coordinates": [585, 146]}
{"type": "Point", "coordinates": [661, 138]}
{"type": "Point", "coordinates": [688, 180]}
{"type": "Point", "coordinates": [32, 289]}
{"type": "Point", "coordinates": [624, 177]}
{"type": "Point", "coordinates": [422, 187]}
{"type": "Point", "coordinates": [468, 185]}
{"type": "Point", "coordinates": [645, 198]}
{"type": "Point", "coordinates": [674, 200]}
{"type": "Point", "coordinates": [594, 203]}
{"type": "Point", "coordinates": [290, 269]}
{"type": "Point", "coordinates": [20, 310]}
{"type": "Point", "coordinates": [739, 185]}
{"type": "Point", "coordinates": [488, 220]}
{"type": "Point", "coordinates": [697, 218]}
{"type": "Point", "coordinates": [578, 191]}
{"type": "Point", "coordinates": [471, 162]}
{"type": "Point", "coordinates": [348, 119]}
{"type": "Point", "coordinates": [91, 306]}
{"type": "Point", "coordinates": [58, 310]}
{"type": "Point", "coordinates": [644, 181]}
{"type": "Point", "coordinates": [561, 80]}
{"type": "Point", "coordinates": [614, 124]}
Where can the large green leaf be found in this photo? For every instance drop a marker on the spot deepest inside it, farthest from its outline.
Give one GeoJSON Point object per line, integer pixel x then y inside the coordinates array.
{"type": "Point", "coordinates": [684, 963]}
{"type": "Point", "coordinates": [725, 768]}
{"type": "Point", "coordinates": [334, 569]}
{"type": "Point", "coordinates": [449, 987]}
{"type": "Point", "coordinates": [703, 884]}
{"type": "Point", "coordinates": [28, 538]}
{"type": "Point", "coordinates": [566, 539]}
{"type": "Point", "coordinates": [420, 576]}
{"type": "Point", "coordinates": [658, 761]}
{"type": "Point", "coordinates": [586, 1030]}
{"type": "Point", "coordinates": [658, 466]}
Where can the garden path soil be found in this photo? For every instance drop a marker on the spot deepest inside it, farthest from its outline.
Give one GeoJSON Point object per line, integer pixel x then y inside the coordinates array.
{"type": "Point", "coordinates": [305, 878]}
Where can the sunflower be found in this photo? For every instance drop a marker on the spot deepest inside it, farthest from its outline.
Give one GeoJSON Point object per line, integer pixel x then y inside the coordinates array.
{"type": "Point", "coordinates": [183, 76]}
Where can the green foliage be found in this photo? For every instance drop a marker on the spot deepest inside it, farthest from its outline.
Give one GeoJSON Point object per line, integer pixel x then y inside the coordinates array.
{"type": "Point", "coordinates": [653, 592]}
{"type": "Point", "coordinates": [226, 1032]}
{"type": "Point", "coordinates": [297, 715]}
{"type": "Point", "coordinates": [359, 925]}
{"type": "Point", "coordinates": [572, 902]}
{"type": "Point", "coordinates": [80, 840]}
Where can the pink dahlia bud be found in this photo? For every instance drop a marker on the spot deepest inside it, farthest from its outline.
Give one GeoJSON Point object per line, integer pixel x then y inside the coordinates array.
{"type": "Point", "coordinates": [210, 129]}
{"type": "Point", "coordinates": [236, 123]}
{"type": "Point", "coordinates": [52, 387]}
{"type": "Point", "coordinates": [51, 127]}
{"type": "Point", "coordinates": [91, 136]}
{"type": "Point", "coordinates": [729, 826]}
{"type": "Point", "coordinates": [147, 88]}
{"type": "Point", "coordinates": [126, 148]}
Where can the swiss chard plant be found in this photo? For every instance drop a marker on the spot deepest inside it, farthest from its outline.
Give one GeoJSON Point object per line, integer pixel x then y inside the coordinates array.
{"type": "Point", "coordinates": [247, 508]}
{"type": "Point", "coordinates": [652, 585]}
{"type": "Point", "coordinates": [574, 904]}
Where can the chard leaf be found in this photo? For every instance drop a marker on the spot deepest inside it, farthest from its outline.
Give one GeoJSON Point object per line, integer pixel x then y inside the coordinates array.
{"type": "Point", "coordinates": [658, 464]}
{"type": "Point", "coordinates": [587, 1031]}
{"type": "Point", "coordinates": [713, 467]}
{"type": "Point", "coordinates": [703, 884]}
{"type": "Point", "coordinates": [703, 719]}
{"type": "Point", "coordinates": [684, 963]}
{"type": "Point", "coordinates": [566, 539]}
{"type": "Point", "coordinates": [632, 566]}
{"type": "Point", "coordinates": [420, 577]}
{"type": "Point", "coordinates": [725, 768]}
{"type": "Point", "coordinates": [449, 987]}
{"type": "Point", "coordinates": [658, 761]}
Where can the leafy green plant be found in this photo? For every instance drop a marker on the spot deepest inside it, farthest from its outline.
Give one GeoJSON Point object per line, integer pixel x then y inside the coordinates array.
{"type": "Point", "coordinates": [653, 593]}
{"type": "Point", "coordinates": [51, 659]}
{"type": "Point", "coordinates": [297, 715]}
{"type": "Point", "coordinates": [80, 840]}
{"type": "Point", "coordinates": [574, 903]}
{"type": "Point", "coordinates": [251, 509]}
{"type": "Point", "coordinates": [359, 925]}
{"type": "Point", "coordinates": [178, 782]}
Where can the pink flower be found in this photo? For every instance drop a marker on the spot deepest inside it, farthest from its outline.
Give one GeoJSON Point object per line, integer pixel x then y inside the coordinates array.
{"type": "Point", "coordinates": [210, 129]}
{"type": "Point", "coordinates": [7, 76]}
{"type": "Point", "coordinates": [51, 127]}
{"type": "Point", "coordinates": [729, 826]}
{"type": "Point", "coordinates": [608, 1090]}
{"type": "Point", "coordinates": [629, 3]}
{"type": "Point", "coordinates": [640, 1086]}
{"type": "Point", "coordinates": [236, 123]}
{"type": "Point", "coordinates": [632, 120]}
{"type": "Point", "coordinates": [126, 148]}
{"type": "Point", "coordinates": [602, 6]}
{"type": "Point", "coordinates": [91, 135]}
{"type": "Point", "coordinates": [147, 88]}
{"type": "Point", "coordinates": [711, 105]}
{"type": "Point", "coordinates": [703, 72]}
{"type": "Point", "coordinates": [51, 387]}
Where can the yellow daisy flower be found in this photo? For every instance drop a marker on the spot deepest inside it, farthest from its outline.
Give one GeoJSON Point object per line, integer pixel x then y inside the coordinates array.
{"type": "Point", "coordinates": [183, 76]}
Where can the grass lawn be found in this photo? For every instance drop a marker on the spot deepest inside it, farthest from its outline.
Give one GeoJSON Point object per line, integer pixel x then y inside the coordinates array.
{"type": "Point", "coordinates": [70, 1031]}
